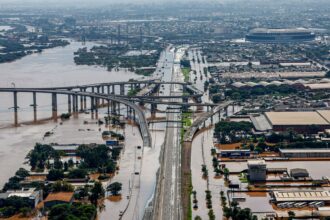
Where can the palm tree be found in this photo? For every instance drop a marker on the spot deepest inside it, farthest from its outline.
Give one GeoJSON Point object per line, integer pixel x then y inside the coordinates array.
{"type": "Point", "coordinates": [226, 173]}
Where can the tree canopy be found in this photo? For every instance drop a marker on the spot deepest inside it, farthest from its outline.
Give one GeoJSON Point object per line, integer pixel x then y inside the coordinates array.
{"type": "Point", "coordinates": [229, 127]}
{"type": "Point", "coordinates": [114, 188]}
{"type": "Point", "coordinates": [75, 211]}
{"type": "Point", "coordinates": [94, 157]}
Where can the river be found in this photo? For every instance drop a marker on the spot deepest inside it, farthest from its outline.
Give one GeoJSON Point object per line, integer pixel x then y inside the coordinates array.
{"type": "Point", "coordinates": [53, 67]}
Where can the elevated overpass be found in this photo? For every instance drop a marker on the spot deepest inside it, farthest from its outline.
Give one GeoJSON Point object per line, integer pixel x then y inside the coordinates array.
{"type": "Point", "coordinates": [73, 99]}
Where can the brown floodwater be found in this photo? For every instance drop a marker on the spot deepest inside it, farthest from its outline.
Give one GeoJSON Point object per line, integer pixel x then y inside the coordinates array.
{"type": "Point", "coordinates": [200, 154]}
{"type": "Point", "coordinates": [55, 67]}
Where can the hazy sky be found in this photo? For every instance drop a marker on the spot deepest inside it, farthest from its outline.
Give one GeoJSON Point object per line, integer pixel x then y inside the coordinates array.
{"type": "Point", "coordinates": [91, 3]}
{"type": "Point", "coordinates": [88, 3]}
{"type": "Point", "coordinates": [84, 1]}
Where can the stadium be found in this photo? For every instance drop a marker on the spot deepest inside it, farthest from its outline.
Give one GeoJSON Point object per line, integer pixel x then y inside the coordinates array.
{"type": "Point", "coordinates": [264, 35]}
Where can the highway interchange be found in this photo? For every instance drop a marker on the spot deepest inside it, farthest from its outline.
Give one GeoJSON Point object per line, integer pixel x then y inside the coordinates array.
{"type": "Point", "coordinates": [167, 197]}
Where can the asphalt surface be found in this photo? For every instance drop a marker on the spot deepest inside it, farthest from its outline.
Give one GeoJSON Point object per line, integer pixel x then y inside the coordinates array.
{"type": "Point", "coordinates": [168, 192]}
{"type": "Point", "coordinates": [202, 118]}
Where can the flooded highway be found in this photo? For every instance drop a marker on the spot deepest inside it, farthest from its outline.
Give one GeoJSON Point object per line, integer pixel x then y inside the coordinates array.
{"type": "Point", "coordinates": [55, 67]}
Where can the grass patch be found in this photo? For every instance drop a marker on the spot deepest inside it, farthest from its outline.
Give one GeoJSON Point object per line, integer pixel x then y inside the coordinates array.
{"type": "Point", "coordinates": [185, 72]}
{"type": "Point", "coordinates": [243, 178]}
{"type": "Point", "coordinates": [186, 119]}
{"type": "Point", "coordinates": [189, 214]}
{"type": "Point", "coordinates": [133, 92]}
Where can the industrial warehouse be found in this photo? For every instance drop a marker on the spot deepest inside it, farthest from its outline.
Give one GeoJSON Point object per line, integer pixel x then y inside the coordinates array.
{"type": "Point", "coordinates": [311, 84]}
{"type": "Point", "coordinates": [301, 122]}
{"type": "Point", "coordinates": [301, 196]}
{"type": "Point", "coordinates": [305, 153]}
{"type": "Point", "coordinates": [279, 35]}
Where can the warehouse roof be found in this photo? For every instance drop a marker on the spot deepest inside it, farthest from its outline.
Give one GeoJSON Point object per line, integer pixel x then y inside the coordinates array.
{"type": "Point", "coordinates": [318, 86]}
{"type": "Point", "coordinates": [235, 150]}
{"type": "Point", "coordinates": [295, 118]}
{"type": "Point", "coordinates": [256, 162]}
{"type": "Point", "coordinates": [280, 30]}
{"type": "Point", "coordinates": [298, 171]}
{"type": "Point", "coordinates": [325, 114]}
{"type": "Point", "coordinates": [292, 196]}
{"type": "Point", "coordinates": [306, 150]}
{"type": "Point", "coordinates": [65, 147]}
{"type": "Point", "coordinates": [60, 196]}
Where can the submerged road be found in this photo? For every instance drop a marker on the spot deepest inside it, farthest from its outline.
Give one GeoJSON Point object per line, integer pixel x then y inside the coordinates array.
{"type": "Point", "coordinates": [168, 191]}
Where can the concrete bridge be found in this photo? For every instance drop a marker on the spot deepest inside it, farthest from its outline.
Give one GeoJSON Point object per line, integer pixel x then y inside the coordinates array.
{"type": "Point", "coordinates": [111, 85]}
{"type": "Point", "coordinates": [113, 105]}
{"type": "Point", "coordinates": [189, 135]}
{"type": "Point", "coordinates": [104, 94]}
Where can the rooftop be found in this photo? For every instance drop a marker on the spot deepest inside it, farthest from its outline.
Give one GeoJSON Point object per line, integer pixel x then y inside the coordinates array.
{"type": "Point", "coordinates": [256, 162]}
{"type": "Point", "coordinates": [306, 150]}
{"type": "Point", "coordinates": [287, 196]}
{"type": "Point", "coordinates": [298, 171]}
{"type": "Point", "coordinates": [316, 86]}
{"type": "Point", "coordinates": [236, 150]}
{"type": "Point", "coordinates": [260, 123]}
{"type": "Point", "coordinates": [280, 30]}
{"type": "Point", "coordinates": [65, 147]}
{"type": "Point", "coordinates": [60, 196]}
{"type": "Point", "coordinates": [25, 192]}
{"type": "Point", "coordinates": [296, 118]}
{"type": "Point", "coordinates": [325, 114]}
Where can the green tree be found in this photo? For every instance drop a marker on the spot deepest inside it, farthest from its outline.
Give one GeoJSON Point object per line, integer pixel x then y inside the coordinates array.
{"type": "Point", "coordinates": [54, 175]}
{"type": "Point", "coordinates": [70, 163]}
{"type": "Point", "coordinates": [58, 164]}
{"type": "Point", "coordinates": [25, 211]}
{"type": "Point", "coordinates": [39, 155]}
{"type": "Point", "coordinates": [227, 212]}
{"type": "Point", "coordinates": [211, 214]}
{"type": "Point", "coordinates": [114, 188]}
{"type": "Point", "coordinates": [97, 192]}
{"type": "Point", "coordinates": [61, 186]}
{"type": "Point", "coordinates": [72, 212]}
{"type": "Point", "coordinates": [83, 192]}
{"type": "Point", "coordinates": [8, 211]}
{"type": "Point", "coordinates": [13, 183]}
{"type": "Point", "coordinates": [77, 174]}
{"type": "Point", "coordinates": [111, 167]}
{"type": "Point", "coordinates": [66, 166]}
{"type": "Point", "coordinates": [21, 172]}
{"type": "Point", "coordinates": [226, 173]}
{"type": "Point", "coordinates": [94, 157]}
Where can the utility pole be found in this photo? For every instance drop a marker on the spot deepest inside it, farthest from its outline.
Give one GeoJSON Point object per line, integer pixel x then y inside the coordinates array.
{"type": "Point", "coordinates": [118, 34]}
{"type": "Point", "coordinates": [127, 32]}
{"type": "Point", "coordinates": [141, 39]}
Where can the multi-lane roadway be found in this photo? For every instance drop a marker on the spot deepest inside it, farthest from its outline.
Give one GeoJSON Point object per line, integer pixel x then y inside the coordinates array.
{"type": "Point", "coordinates": [167, 199]}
